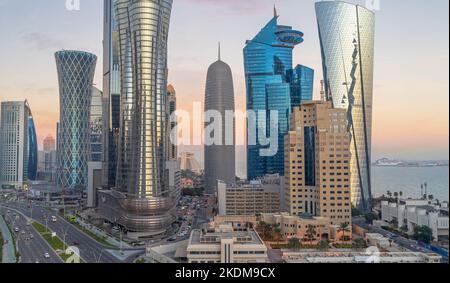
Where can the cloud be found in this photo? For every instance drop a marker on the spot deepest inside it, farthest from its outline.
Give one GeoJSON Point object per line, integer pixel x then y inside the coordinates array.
{"type": "Point", "coordinates": [41, 41]}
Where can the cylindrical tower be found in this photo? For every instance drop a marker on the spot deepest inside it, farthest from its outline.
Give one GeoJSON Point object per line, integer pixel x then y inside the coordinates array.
{"type": "Point", "coordinates": [142, 191]}
{"type": "Point", "coordinates": [76, 74]}
{"type": "Point", "coordinates": [219, 97]}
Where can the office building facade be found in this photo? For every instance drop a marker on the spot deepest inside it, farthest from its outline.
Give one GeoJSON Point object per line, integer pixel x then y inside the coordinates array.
{"type": "Point", "coordinates": [96, 125]}
{"type": "Point", "coordinates": [258, 196]}
{"type": "Point", "coordinates": [32, 149]}
{"type": "Point", "coordinates": [219, 157]}
{"type": "Point", "coordinates": [317, 163]}
{"type": "Point", "coordinates": [14, 146]}
{"type": "Point", "coordinates": [269, 73]}
{"type": "Point", "coordinates": [171, 108]}
{"type": "Point", "coordinates": [111, 93]}
{"type": "Point", "coordinates": [75, 73]}
{"type": "Point", "coordinates": [347, 35]}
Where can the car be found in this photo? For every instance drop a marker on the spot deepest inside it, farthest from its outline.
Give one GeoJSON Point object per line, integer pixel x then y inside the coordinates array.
{"type": "Point", "coordinates": [23, 232]}
{"type": "Point", "coordinates": [76, 243]}
{"type": "Point", "coordinates": [47, 255]}
{"type": "Point", "coordinates": [16, 229]}
{"type": "Point", "coordinates": [31, 236]}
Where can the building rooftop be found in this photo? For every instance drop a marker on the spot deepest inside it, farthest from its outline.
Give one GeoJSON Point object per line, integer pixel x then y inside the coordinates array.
{"type": "Point", "coordinates": [215, 235]}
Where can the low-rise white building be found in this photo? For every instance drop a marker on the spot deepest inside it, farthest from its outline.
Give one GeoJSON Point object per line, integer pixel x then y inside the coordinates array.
{"type": "Point", "coordinates": [358, 257]}
{"type": "Point", "coordinates": [224, 244]}
{"type": "Point", "coordinates": [378, 240]}
{"type": "Point", "coordinates": [415, 213]}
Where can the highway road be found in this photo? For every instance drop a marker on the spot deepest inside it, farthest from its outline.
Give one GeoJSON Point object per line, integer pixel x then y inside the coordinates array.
{"type": "Point", "coordinates": [91, 251]}
{"type": "Point", "coordinates": [411, 245]}
{"type": "Point", "coordinates": [31, 248]}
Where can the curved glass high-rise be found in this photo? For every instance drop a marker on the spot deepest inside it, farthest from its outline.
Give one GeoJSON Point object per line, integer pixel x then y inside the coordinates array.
{"type": "Point", "coordinates": [219, 96]}
{"type": "Point", "coordinates": [75, 73]}
{"type": "Point", "coordinates": [111, 93]}
{"type": "Point", "coordinates": [32, 149]}
{"type": "Point", "coordinates": [347, 34]}
{"type": "Point", "coordinates": [269, 80]}
{"type": "Point", "coordinates": [142, 202]}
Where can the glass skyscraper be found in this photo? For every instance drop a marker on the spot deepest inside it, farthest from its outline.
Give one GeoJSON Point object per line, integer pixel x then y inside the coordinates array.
{"type": "Point", "coordinates": [76, 73]}
{"type": "Point", "coordinates": [347, 45]}
{"type": "Point", "coordinates": [272, 84]}
{"type": "Point", "coordinates": [141, 201]}
{"type": "Point", "coordinates": [111, 93]}
{"type": "Point", "coordinates": [96, 125]}
{"type": "Point", "coordinates": [32, 149]}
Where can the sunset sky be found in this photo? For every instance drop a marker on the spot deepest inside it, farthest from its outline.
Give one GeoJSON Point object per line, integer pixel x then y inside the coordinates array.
{"type": "Point", "coordinates": [411, 94]}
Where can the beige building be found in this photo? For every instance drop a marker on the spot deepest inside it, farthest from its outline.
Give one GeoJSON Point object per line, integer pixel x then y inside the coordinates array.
{"type": "Point", "coordinates": [259, 196]}
{"type": "Point", "coordinates": [297, 226]}
{"type": "Point", "coordinates": [317, 163]}
{"type": "Point", "coordinates": [224, 244]}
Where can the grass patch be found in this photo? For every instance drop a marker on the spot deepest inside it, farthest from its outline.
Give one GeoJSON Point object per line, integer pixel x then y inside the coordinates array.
{"type": "Point", "coordinates": [54, 242]}
{"type": "Point", "coordinates": [101, 240]}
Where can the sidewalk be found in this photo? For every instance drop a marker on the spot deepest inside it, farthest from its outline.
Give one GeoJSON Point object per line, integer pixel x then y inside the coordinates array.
{"type": "Point", "coordinates": [9, 255]}
{"type": "Point", "coordinates": [113, 241]}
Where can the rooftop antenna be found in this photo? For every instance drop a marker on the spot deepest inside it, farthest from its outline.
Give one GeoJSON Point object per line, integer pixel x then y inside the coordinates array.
{"type": "Point", "coordinates": [275, 14]}
{"type": "Point", "coordinates": [219, 52]}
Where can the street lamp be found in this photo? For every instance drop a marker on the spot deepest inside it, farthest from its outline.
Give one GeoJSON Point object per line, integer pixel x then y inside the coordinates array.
{"type": "Point", "coordinates": [64, 232]}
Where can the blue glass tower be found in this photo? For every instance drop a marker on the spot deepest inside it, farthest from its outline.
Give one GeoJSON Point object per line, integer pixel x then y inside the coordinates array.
{"type": "Point", "coordinates": [32, 150]}
{"type": "Point", "coordinates": [272, 84]}
{"type": "Point", "coordinates": [302, 83]}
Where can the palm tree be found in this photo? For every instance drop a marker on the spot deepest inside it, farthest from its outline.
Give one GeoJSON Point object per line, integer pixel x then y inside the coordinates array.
{"type": "Point", "coordinates": [344, 228]}
{"type": "Point", "coordinates": [324, 245]}
{"type": "Point", "coordinates": [277, 232]}
{"type": "Point", "coordinates": [311, 233]}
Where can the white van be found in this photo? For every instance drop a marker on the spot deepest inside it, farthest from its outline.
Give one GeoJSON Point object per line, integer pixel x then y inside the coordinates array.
{"type": "Point", "coordinates": [53, 218]}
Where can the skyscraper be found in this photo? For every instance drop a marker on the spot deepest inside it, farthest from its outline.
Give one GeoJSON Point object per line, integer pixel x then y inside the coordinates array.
{"type": "Point", "coordinates": [96, 125]}
{"type": "Point", "coordinates": [49, 155]}
{"type": "Point", "coordinates": [32, 149]}
{"type": "Point", "coordinates": [219, 96]}
{"type": "Point", "coordinates": [171, 108]}
{"type": "Point", "coordinates": [347, 34]}
{"type": "Point", "coordinates": [76, 73]}
{"type": "Point", "coordinates": [14, 132]}
{"type": "Point", "coordinates": [269, 80]}
{"type": "Point", "coordinates": [111, 93]}
{"type": "Point", "coordinates": [142, 202]}
{"type": "Point", "coordinates": [317, 163]}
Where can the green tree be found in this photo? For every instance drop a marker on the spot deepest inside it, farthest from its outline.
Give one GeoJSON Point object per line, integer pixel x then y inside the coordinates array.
{"type": "Point", "coordinates": [359, 244]}
{"type": "Point", "coordinates": [423, 234]}
{"type": "Point", "coordinates": [344, 228]}
{"type": "Point", "coordinates": [324, 245]}
{"type": "Point", "coordinates": [370, 217]}
{"type": "Point", "coordinates": [356, 212]}
{"type": "Point", "coordinates": [311, 233]}
{"type": "Point", "coordinates": [294, 243]}
{"type": "Point", "coordinates": [277, 232]}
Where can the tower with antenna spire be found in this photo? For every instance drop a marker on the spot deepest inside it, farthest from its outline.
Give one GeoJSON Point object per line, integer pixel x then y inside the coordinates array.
{"type": "Point", "coordinates": [219, 156]}
{"type": "Point", "coordinates": [273, 84]}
